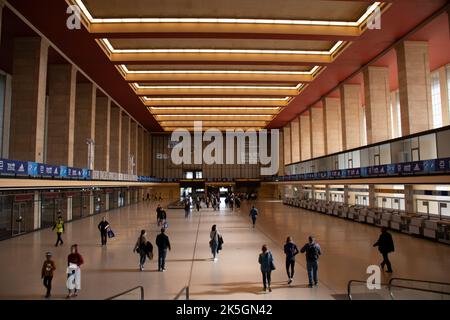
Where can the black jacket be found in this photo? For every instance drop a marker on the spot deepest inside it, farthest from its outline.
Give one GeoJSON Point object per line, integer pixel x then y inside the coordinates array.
{"type": "Point", "coordinates": [385, 243]}
{"type": "Point", "coordinates": [162, 241]}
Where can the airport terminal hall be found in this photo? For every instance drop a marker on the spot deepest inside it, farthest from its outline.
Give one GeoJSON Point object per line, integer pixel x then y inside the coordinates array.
{"type": "Point", "coordinates": [224, 150]}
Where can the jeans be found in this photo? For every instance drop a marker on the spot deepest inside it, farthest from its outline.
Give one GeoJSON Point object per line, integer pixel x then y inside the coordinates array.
{"type": "Point", "coordinates": [290, 266]}
{"type": "Point", "coordinates": [386, 262]}
{"type": "Point", "coordinates": [48, 284]}
{"type": "Point", "coordinates": [312, 267]}
{"type": "Point", "coordinates": [266, 278]}
{"type": "Point", "coordinates": [214, 246]}
{"type": "Point", "coordinates": [59, 239]}
{"type": "Point", "coordinates": [104, 236]}
{"type": "Point", "coordinates": [254, 220]}
{"type": "Point", "coordinates": [142, 258]}
{"type": "Point", "coordinates": [162, 253]}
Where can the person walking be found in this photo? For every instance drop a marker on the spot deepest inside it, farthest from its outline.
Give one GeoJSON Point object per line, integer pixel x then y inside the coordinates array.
{"type": "Point", "coordinates": [385, 245]}
{"type": "Point", "coordinates": [142, 249]}
{"type": "Point", "coordinates": [312, 252]}
{"type": "Point", "coordinates": [163, 244]}
{"type": "Point", "coordinates": [158, 214]}
{"type": "Point", "coordinates": [291, 250]}
{"type": "Point", "coordinates": [59, 227]}
{"type": "Point", "coordinates": [267, 266]}
{"type": "Point", "coordinates": [74, 262]}
{"type": "Point", "coordinates": [214, 241]}
{"type": "Point", "coordinates": [103, 228]}
{"type": "Point", "coordinates": [253, 214]}
{"type": "Point", "coordinates": [47, 273]}
{"type": "Point", "coordinates": [187, 208]}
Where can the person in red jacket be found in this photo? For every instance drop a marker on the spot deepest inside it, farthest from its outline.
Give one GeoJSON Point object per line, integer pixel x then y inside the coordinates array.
{"type": "Point", "coordinates": [74, 261]}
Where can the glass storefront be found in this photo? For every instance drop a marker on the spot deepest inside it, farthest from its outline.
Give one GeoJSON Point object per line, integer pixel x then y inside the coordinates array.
{"type": "Point", "coordinates": [51, 204]}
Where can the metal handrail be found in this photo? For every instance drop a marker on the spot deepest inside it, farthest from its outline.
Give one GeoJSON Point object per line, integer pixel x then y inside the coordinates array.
{"type": "Point", "coordinates": [128, 291]}
{"type": "Point", "coordinates": [181, 292]}
{"type": "Point", "coordinates": [421, 281]}
{"type": "Point", "coordinates": [390, 287]}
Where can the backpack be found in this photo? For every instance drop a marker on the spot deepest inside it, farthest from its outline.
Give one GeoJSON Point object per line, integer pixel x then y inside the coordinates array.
{"type": "Point", "coordinates": [312, 253]}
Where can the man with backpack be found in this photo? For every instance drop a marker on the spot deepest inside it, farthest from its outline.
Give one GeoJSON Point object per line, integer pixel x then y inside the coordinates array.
{"type": "Point", "coordinates": [312, 250]}
{"type": "Point", "coordinates": [253, 214]}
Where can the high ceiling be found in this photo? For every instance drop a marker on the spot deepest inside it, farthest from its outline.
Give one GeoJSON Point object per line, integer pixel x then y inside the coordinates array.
{"type": "Point", "coordinates": [247, 64]}
{"type": "Point", "coordinates": [226, 82]}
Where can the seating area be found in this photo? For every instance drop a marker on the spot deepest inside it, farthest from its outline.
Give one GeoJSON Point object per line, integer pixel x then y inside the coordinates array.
{"type": "Point", "coordinates": [405, 222]}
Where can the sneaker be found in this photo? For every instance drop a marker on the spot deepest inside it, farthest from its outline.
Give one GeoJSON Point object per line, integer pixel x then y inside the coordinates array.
{"type": "Point", "coordinates": [290, 281]}
{"type": "Point", "coordinates": [163, 270]}
{"type": "Point", "coordinates": [265, 289]}
{"type": "Point", "coordinates": [316, 284]}
{"type": "Point", "coordinates": [270, 289]}
{"type": "Point", "coordinates": [310, 285]}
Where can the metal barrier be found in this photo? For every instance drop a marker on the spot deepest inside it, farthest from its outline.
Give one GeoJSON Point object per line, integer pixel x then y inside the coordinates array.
{"type": "Point", "coordinates": [141, 289]}
{"type": "Point", "coordinates": [185, 289]}
{"type": "Point", "coordinates": [388, 291]}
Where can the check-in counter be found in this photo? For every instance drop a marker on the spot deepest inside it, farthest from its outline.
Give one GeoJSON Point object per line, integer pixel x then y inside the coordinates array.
{"type": "Point", "coordinates": [416, 225]}
{"type": "Point", "coordinates": [443, 234]}
{"type": "Point", "coordinates": [373, 216]}
{"type": "Point", "coordinates": [386, 218]}
{"type": "Point", "coordinates": [431, 228]}
{"type": "Point", "coordinates": [362, 215]}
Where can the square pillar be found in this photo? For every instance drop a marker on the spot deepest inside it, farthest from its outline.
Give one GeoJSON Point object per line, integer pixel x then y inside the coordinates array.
{"type": "Point", "coordinates": [115, 139]}
{"type": "Point", "coordinates": [84, 122]}
{"type": "Point", "coordinates": [125, 141]}
{"type": "Point", "coordinates": [317, 132]}
{"type": "Point", "coordinates": [103, 105]}
{"type": "Point", "coordinates": [7, 117]}
{"type": "Point", "coordinates": [395, 112]}
{"type": "Point", "coordinates": [69, 209]}
{"type": "Point", "coordinates": [133, 147]}
{"type": "Point", "coordinates": [350, 116]}
{"type": "Point", "coordinates": [61, 114]}
{"type": "Point", "coordinates": [376, 90]}
{"type": "Point", "coordinates": [295, 140]}
{"type": "Point", "coordinates": [444, 96]}
{"type": "Point", "coordinates": [332, 122]}
{"type": "Point", "coordinates": [287, 144]}
{"type": "Point", "coordinates": [305, 135]}
{"type": "Point", "coordinates": [409, 198]}
{"type": "Point", "coordinates": [414, 80]}
{"type": "Point", "coordinates": [281, 167]}
{"type": "Point", "coordinates": [140, 158]}
{"type": "Point", "coordinates": [37, 210]}
{"type": "Point", "coordinates": [29, 81]}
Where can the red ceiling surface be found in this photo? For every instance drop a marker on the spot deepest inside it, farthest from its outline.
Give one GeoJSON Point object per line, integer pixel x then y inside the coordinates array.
{"type": "Point", "coordinates": [49, 17]}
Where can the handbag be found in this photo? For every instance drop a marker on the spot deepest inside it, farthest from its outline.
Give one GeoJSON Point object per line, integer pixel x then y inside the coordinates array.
{"type": "Point", "coordinates": [111, 234]}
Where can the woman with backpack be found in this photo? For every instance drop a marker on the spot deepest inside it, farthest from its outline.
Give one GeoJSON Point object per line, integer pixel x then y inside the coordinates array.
{"type": "Point", "coordinates": [267, 266]}
{"type": "Point", "coordinates": [144, 248]}
{"type": "Point", "coordinates": [215, 241]}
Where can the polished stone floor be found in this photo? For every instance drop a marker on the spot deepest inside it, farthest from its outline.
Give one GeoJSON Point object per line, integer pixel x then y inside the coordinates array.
{"type": "Point", "coordinates": [347, 252]}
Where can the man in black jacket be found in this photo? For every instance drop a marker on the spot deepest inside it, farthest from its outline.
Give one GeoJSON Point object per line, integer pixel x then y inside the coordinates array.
{"type": "Point", "coordinates": [385, 245]}
{"type": "Point", "coordinates": [163, 243]}
{"type": "Point", "coordinates": [103, 227]}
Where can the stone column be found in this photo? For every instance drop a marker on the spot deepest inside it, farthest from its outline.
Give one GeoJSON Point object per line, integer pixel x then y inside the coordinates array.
{"type": "Point", "coordinates": [332, 122]}
{"type": "Point", "coordinates": [29, 83]}
{"type": "Point", "coordinates": [115, 140]}
{"type": "Point", "coordinates": [37, 210]}
{"type": "Point", "coordinates": [376, 88]}
{"type": "Point", "coordinates": [124, 168]}
{"type": "Point", "coordinates": [305, 135]}
{"type": "Point", "coordinates": [317, 132]}
{"type": "Point", "coordinates": [295, 140]}
{"type": "Point", "coordinates": [372, 196]}
{"type": "Point", "coordinates": [140, 158]}
{"type": "Point", "coordinates": [350, 116]}
{"type": "Point", "coordinates": [62, 80]}
{"type": "Point", "coordinates": [69, 208]}
{"type": "Point", "coordinates": [101, 133]}
{"type": "Point", "coordinates": [346, 194]}
{"type": "Point", "coordinates": [84, 122]}
{"type": "Point", "coordinates": [396, 130]}
{"type": "Point", "coordinates": [444, 96]}
{"type": "Point", "coordinates": [281, 171]}
{"type": "Point", "coordinates": [409, 198]}
{"type": "Point", "coordinates": [414, 82]}
{"type": "Point", "coordinates": [7, 116]}
{"type": "Point", "coordinates": [287, 144]}
{"type": "Point", "coordinates": [133, 146]}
